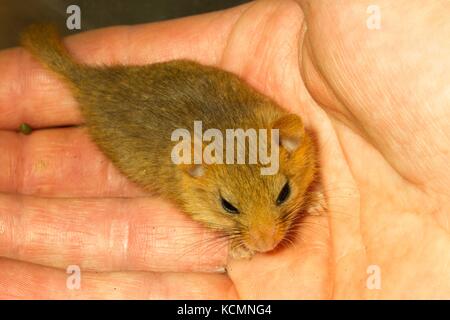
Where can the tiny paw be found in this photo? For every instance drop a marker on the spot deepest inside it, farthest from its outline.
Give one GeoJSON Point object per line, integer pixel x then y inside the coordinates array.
{"type": "Point", "coordinates": [240, 252]}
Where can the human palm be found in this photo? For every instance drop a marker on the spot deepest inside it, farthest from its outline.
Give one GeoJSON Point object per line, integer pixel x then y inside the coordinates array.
{"type": "Point", "coordinates": [375, 103]}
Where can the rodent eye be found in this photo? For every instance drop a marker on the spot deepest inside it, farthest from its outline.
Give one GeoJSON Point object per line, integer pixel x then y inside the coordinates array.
{"type": "Point", "coordinates": [228, 206]}
{"type": "Point", "coordinates": [284, 194]}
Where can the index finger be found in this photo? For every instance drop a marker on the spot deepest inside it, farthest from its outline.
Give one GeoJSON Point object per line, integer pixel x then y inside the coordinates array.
{"type": "Point", "coordinates": [31, 94]}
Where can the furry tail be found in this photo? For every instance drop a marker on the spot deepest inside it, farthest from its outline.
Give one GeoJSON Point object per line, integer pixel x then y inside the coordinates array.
{"type": "Point", "coordinates": [44, 43]}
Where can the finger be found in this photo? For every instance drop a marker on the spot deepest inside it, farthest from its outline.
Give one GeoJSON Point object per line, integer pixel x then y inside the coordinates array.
{"type": "Point", "coordinates": [106, 235]}
{"type": "Point", "coordinates": [305, 258]}
{"type": "Point", "coordinates": [30, 94]}
{"type": "Point", "coordinates": [344, 206]}
{"type": "Point", "coordinates": [59, 162]}
{"type": "Point", "coordinates": [27, 281]}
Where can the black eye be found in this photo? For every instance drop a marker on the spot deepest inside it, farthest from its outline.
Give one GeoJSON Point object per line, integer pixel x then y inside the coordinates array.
{"type": "Point", "coordinates": [284, 194]}
{"type": "Point", "coordinates": [228, 206]}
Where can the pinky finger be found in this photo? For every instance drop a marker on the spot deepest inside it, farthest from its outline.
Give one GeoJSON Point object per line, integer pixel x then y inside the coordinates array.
{"type": "Point", "coordinates": [19, 280]}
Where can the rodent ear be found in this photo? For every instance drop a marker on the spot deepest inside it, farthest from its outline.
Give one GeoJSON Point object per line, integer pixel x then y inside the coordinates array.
{"type": "Point", "coordinates": [194, 170]}
{"type": "Point", "coordinates": [291, 131]}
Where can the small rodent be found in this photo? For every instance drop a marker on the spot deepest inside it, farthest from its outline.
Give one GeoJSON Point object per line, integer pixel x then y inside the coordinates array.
{"type": "Point", "coordinates": [131, 112]}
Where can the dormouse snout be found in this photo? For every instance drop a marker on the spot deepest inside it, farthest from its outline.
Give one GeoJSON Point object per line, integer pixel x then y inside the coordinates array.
{"type": "Point", "coordinates": [264, 238]}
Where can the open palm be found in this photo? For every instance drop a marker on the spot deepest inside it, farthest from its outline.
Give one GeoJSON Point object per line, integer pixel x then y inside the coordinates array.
{"type": "Point", "coordinates": [379, 109]}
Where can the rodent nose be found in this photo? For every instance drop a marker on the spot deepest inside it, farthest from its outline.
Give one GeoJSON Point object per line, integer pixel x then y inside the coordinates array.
{"type": "Point", "coordinates": [263, 240]}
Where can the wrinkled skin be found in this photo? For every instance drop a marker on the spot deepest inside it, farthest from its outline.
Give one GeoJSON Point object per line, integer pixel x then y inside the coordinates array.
{"type": "Point", "coordinates": [377, 100]}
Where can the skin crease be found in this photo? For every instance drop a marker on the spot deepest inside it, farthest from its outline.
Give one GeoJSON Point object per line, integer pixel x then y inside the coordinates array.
{"type": "Point", "coordinates": [384, 150]}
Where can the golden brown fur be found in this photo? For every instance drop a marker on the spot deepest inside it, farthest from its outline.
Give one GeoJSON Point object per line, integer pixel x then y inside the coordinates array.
{"type": "Point", "coordinates": [131, 111]}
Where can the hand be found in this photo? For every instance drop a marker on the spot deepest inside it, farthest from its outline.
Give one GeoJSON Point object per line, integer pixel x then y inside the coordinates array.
{"type": "Point", "coordinates": [382, 121]}
{"type": "Point", "coordinates": [383, 140]}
